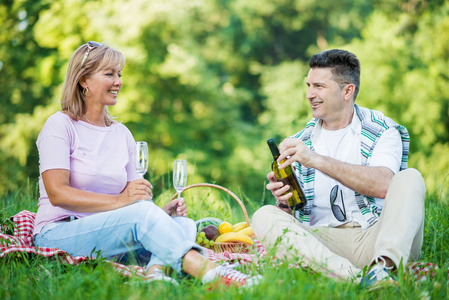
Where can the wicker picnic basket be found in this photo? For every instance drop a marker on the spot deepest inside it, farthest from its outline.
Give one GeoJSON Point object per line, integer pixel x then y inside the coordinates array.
{"type": "Point", "coordinates": [222, 247]}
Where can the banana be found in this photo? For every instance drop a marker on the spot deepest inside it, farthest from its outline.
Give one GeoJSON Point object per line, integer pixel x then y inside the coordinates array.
{"type": "Point", "coordinates": [234, 237]}
{"type": "Point", "coordinates": [239, 226]}
{"type": "Point", "coordinates": [247, 231]}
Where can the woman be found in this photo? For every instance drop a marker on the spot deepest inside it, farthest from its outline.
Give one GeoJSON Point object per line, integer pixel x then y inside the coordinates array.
{"type": "Point", "coordinates": [90, 190]}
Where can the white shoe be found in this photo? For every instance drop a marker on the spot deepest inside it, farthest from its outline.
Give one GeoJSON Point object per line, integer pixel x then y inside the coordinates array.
{"type": "Point", "coordinates": [229, 276]}
{"type": "Point", "coordinates": [378, 276]}
{"type": "Point", "coordinates": [158, 275]}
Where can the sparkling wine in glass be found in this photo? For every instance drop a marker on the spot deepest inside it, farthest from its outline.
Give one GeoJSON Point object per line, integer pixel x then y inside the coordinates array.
{"type": "Point", "coordinates": [180, 175]}
{"type": "Point", "coordinates": [141, 158]}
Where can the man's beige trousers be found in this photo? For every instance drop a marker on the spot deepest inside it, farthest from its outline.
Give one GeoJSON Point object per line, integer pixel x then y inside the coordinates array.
{"type": "Point", "coordinates": [341, 252]}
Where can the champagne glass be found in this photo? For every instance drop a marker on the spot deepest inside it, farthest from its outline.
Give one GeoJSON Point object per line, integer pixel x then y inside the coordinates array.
{"type": "Point", "coordinates": [180, 175]}
{"type": "Point", "coordinates": [141, 157]}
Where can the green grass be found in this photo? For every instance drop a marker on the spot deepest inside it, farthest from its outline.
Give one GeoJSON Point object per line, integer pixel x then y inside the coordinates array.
{"type": "Point", "coordinates": [26, 277]}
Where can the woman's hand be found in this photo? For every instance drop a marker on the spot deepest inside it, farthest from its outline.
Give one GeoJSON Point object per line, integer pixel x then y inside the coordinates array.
{"type": "Point", "coordinates": [140, 189]}
{"type": "Point", "coordinates": [60, 193]}
{"type": "Point", "coordinates": [176, 207]}
{"type": "Point", "coordinates": [278, 189]}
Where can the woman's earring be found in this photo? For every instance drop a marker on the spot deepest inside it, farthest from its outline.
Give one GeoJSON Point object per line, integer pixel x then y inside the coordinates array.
{"type": "Point", "coordinates": [85, 91]}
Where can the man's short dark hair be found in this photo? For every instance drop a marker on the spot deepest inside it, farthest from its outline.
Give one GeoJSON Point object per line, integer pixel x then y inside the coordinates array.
{"type": "Point", "coordinates": [344, 65]}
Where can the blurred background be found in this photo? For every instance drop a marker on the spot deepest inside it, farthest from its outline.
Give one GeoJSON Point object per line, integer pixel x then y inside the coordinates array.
{"type": "Point", "coordinates": [211, 80]}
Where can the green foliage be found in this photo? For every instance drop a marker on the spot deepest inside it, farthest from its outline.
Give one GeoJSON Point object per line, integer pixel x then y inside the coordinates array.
{"type": "Point", "coordinates": [26, 276]}
{"type": "Point", "coordinates": [405, 78]}
{"type": "Point", "coordinates": [42, 278]}
{"type": "Point", "coordinates": [211, 81]}
{"type": "Point", "coordinates": [21, 88]}
{"type": "Point", "coordinates": [436, 233]}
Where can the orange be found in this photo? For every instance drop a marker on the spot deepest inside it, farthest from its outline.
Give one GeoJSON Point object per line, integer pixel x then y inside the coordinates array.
{"type": "Point", "coordinates": [225, 227]}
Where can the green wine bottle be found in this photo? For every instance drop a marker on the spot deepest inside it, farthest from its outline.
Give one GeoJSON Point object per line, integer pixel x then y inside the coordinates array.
{"type": "Point", "coordinates": [287, 176]}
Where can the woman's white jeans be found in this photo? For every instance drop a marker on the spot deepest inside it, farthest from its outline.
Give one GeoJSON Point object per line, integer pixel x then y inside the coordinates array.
{"type": "Point", "coordinates": [342, 251]}
{"type": "Point", "coordinates": [142, 227]}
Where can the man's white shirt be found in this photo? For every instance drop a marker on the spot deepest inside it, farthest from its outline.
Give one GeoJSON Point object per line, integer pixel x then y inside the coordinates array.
{"type": "Point", "coordinates": [344, 145]}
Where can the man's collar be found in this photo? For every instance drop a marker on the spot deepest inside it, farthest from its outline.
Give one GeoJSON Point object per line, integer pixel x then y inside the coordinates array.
{"type": "Point", "coordinates": [355, 125]}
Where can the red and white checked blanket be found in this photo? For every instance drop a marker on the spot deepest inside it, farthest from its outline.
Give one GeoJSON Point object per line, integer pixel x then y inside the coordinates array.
{"type": "Point", "coordinates": [22, 241]}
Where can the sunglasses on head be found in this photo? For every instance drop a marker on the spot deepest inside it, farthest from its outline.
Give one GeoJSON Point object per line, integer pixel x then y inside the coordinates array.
{"type": "Point", "coordinates": [339, 214]}
{"type": "Point", "coordinates": [90, 46]}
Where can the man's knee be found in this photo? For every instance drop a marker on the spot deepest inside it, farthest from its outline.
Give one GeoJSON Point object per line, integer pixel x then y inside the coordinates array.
{"type": "Point", "coordinates": [261, 215]}
{"type": "Point", "coordinates": [411, 174]}
{"type": "Point", "coordinates": [412, 179]}
{"type": "Point", "coordinates": [261, 219]}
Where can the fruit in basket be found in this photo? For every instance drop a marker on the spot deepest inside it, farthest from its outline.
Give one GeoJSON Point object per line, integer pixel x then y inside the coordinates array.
{"type": "Point", "coordinates": [247, 231]}
{"type": "Point", "coordinates": [234, 237]}
{"type": "Point", "coordinates": [211, 232]}
{"type": "Point", "coordinates": [239, 226]}
{"type": "Point", "coordinates": [225, 227]}
{"type": "Point", "coordinates": [202, 240]}
{"type": "Point", "coordinates": [200, 224]}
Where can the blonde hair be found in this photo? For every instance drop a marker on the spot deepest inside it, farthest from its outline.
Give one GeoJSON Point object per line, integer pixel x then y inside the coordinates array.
{"type": "Point", "coordinates": [73, 100]}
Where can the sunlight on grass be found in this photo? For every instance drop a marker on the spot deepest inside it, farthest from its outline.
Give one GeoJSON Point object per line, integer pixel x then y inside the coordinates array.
{"type": "Point", "coordinates": [30, 277]}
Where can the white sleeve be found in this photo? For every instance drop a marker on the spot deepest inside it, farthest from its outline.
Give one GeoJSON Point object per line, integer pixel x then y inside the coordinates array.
{"type": "Point", "coordinates": [54, 143]}
{"type": "Point", "coordinates": [388, 151]}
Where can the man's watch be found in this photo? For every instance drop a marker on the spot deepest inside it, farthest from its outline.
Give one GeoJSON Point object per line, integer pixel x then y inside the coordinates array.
{"type": "Point", "coordinates": [280, 205]}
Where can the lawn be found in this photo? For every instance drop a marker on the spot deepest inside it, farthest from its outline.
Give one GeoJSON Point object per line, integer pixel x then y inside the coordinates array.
{"type": "Point", "coordinates": [30, 277]}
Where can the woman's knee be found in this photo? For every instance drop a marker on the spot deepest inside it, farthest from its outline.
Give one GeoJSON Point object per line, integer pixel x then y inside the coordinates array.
{"type": "Point", "coordinates": [145, 211]}
{"type": "Point", "coordinates": [188, 226]}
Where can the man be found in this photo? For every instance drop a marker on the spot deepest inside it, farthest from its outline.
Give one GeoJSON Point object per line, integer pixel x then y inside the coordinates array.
{"type": "Point", "coordinates": [364, 208]}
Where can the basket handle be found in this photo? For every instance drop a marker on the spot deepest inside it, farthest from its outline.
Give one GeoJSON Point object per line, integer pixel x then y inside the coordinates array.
{"type": "Point", "coordinates": [223, 189]}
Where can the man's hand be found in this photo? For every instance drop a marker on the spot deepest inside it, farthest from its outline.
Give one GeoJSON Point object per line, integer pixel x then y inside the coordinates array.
{"type": "Point", "coordinates": [278, 188]}
{"type": "Point", "coordinates": [295, 150]}
{"type": "Point", "coordinates": [365, 180]}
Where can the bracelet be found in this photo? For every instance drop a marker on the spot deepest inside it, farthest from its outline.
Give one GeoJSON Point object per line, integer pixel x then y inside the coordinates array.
{"type": "Point", "coordinates": [280, 205]}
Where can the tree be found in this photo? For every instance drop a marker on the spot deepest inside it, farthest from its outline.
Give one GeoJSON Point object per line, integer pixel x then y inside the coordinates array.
{"type": "Point", "coordinates": [211, 81]}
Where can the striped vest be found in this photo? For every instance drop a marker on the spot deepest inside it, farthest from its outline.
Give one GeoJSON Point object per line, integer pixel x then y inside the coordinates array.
{"type": "Point", "coordinates": [373, 124]}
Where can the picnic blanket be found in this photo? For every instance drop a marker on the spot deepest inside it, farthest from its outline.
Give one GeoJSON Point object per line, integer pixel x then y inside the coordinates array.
{"type": "Point", "coordinates": [21, 241]}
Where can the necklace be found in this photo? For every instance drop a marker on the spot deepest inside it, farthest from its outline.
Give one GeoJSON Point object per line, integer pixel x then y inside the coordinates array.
{"type": "Point", "coordinates": [87, 119]}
